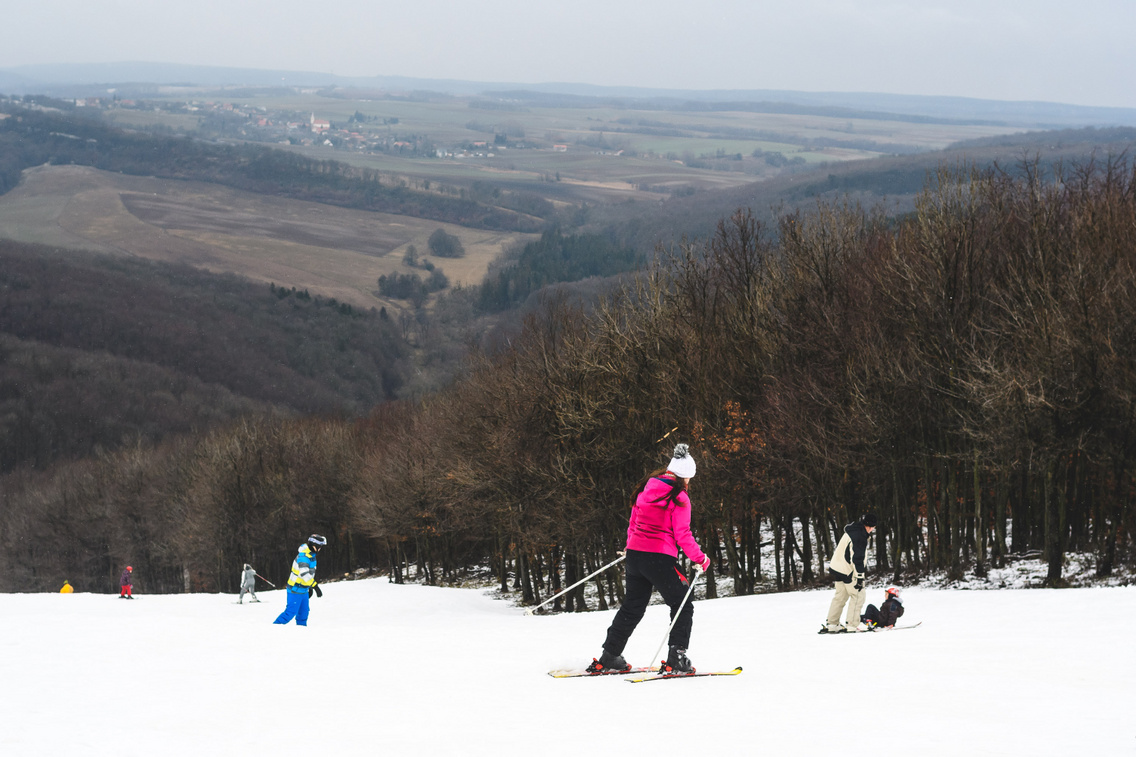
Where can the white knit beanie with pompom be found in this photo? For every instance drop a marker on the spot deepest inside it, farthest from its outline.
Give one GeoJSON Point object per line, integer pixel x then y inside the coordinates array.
{"type": "Point", "coordinates": [682, 464]}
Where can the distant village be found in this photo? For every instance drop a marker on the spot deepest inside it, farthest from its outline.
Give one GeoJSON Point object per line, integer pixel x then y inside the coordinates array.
{"type": "Point", "coordinates": [359, 132]}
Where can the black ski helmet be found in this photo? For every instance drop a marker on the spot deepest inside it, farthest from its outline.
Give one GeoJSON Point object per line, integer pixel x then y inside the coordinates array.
{"type": "Point", "coordinates": [317, 541]}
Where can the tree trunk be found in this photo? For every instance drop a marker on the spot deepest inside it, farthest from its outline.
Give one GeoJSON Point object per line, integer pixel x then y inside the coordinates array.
{"type": "Point", "coordinates": [1020, 537]}
{"type": "Point", "coordinates": [950, 501]}
{"type": "Point", "coordinates": [807, 574]}
{"type": "Point", "coordinates": [599, 586]}
{"type": "Point", "coordinates": [777, 553]}
{"type": "Point", "coordinates": [1001, 496]}
{"type": "Point", "coordinates": [897, 539]}
{"type": "Point", "coordinates": [528, 597]}
{"type": "Point", "coordinates": [824, 543]}
{"type": "Point", "coordinates": [790, 546]}
{"type": "Point", "coordinates": [569, 579]}
{"type": "Point", "coordinates": [1054, 521]}
{"type": "Point", "coordinates": [979, 524]}
{"type": "Point", "coordinates": [554, 577]}
{"type": "Point", "coordinates": [933, 550]}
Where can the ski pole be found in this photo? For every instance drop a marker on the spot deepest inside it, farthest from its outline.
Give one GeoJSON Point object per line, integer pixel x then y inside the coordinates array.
{"type": "Point", "coordinates": [531, 610]}
{"type": "Point", "coordinates": [675, 619]}
{"type": "Point", "coordinates": [262, 578]}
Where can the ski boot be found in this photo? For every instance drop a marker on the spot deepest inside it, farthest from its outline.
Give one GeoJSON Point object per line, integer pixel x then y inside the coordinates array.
{"type": "Point", "coordinates": [608, 663]}
{"type": "Point", "coordinates": [677, 662]}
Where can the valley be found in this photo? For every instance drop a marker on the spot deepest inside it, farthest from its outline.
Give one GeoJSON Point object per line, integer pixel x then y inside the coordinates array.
{"type": "Point", "coordinates": [333, 252]}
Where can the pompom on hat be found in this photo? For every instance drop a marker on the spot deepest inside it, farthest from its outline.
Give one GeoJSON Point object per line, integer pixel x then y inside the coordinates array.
{"type": "Point", "coordinates": [682, 464]}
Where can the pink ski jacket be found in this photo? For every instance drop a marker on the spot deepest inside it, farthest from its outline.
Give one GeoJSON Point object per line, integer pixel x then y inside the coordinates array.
{"type": "Point", "coordinates": [659, 526]}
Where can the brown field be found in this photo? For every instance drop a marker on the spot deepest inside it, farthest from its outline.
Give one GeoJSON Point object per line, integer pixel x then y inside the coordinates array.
{"type": "Point", "coordinates": [332, 252]}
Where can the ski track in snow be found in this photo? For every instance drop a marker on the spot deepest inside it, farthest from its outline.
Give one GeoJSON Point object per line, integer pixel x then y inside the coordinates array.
{"type": "Point", "coordinates": [411, 669]}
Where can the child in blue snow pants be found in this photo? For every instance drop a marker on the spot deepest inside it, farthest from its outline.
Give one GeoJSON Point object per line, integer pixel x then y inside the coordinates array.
{"type": "Point", "coordinates": [297, 608]}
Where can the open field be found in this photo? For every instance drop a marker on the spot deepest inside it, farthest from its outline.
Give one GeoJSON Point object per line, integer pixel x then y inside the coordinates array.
{"type": "Point", "coordinates": [610, 151]}
{"type": "Point", "coordinates": [457, 119]}
{"type": "Point", "coordinates": [573, 177]}
{"type": "Point", "coordinates": [333, 252]}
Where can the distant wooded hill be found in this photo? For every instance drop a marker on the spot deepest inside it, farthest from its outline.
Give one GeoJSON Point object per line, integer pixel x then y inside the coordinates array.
{"type": "Point", "coordinates": [97, 350]}
{"type": "Point", "coordinates": [892, 182]}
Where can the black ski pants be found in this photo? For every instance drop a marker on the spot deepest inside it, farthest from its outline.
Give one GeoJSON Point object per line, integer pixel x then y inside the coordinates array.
{"type": "Point", "coordinates": [647, 570]}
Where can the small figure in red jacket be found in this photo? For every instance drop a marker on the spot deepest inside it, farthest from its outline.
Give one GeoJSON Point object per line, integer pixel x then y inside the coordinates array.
{"type": "Point", "coordinates": [125, 582]}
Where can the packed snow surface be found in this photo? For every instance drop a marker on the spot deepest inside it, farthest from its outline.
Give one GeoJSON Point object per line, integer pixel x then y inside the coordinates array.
{"type": "Point", "coordinates": [409, 669]}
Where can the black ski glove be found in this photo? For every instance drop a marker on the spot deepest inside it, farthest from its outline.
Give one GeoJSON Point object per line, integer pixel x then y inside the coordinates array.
{"type": "Point", "coordinates": [316, 589]}
{"type": "Point", "coordinates": [859, 584]}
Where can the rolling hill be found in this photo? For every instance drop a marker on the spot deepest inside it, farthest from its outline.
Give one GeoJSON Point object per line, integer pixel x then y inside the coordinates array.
{"type": "Point", "coordinates": [98, 350]}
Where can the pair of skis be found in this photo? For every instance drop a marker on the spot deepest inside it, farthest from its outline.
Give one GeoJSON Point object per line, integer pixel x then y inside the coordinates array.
{"type": "Point", "coordinates": [641, 675]}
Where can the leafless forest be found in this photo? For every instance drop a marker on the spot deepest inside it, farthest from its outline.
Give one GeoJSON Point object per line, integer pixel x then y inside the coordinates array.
{"type": "Point", "coordinates": [967, 373]}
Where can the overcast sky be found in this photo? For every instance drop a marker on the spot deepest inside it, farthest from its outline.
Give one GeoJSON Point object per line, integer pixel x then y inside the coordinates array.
{"type": "Point", "coordinates": [1053, 50]}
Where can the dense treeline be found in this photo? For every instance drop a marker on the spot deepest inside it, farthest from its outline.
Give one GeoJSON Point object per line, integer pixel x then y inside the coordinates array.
{"type": "Point", "coordinates": [32, 138]}
{"type": "Point", "coordinates": [556, 257]}
{"type": "Point", "coordinates": [966, 373]}
{"type": "Point", "coordinates": [186, 514]}
{"type": "Point", "coordinates": [107, 336]}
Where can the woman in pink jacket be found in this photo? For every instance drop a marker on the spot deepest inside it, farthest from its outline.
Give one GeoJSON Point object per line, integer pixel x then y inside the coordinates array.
{"type": "Point", "coordinates": [660, 525]}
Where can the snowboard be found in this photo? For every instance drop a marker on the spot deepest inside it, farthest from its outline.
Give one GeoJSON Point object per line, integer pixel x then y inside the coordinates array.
{"type": "Point", "coordinates": [881, 629]}
{"type": "Point", "coordinates": [897, 627]}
